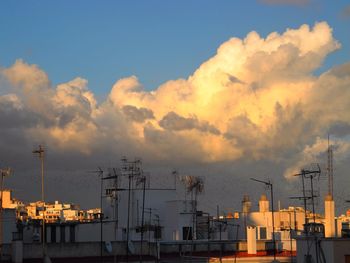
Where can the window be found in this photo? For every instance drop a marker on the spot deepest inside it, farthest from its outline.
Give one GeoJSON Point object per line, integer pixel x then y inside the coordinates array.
{"type": "Point", "coordinates": [157, 232]}
{"type": "Point", "coordinates": [187, 233]}
{"type": "Point", "coordinates": [72, 234]}
{"type": "Point", "coordinates": [53, 234]}
{"type": "Point", "coordinates": [63, 234]}
{"type": "Point", "coordinates": [262, 232]}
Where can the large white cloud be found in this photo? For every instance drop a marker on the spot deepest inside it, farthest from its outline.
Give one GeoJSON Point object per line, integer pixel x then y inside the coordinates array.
{"type": "Point", "coordinates": [256, 99]}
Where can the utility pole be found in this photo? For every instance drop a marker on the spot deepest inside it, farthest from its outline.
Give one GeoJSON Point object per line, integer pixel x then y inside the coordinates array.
{"type": "Point", "coordinates": [40, 152]}
{"type": "Point", "coordinates": [116, 212]}
{"type": "Point", "coordinates": [99, 173]}
{"type": "Point", "coordinates": [113, 192]}
{"type": "Point", "coordinates": [310, 174]}
{"type": "Point", "coordinates": [304, 175]}
{"type": "Point", "coordinates": [269, 184]}
{"type": "Point", "coordinates": [290, 235]}
{"type": "Point", "coordinates": [156, 232]}
{"type": "Point", "coordinates": [101, 214]}
{"type": "Point", "coordinates": [142, 216]}
{"type": "Point", "coordinates": [132, 169]}
{"type": "Point", "coordinates": [4, 172]}
{"type": "Point", "coordinates": [330, 168]}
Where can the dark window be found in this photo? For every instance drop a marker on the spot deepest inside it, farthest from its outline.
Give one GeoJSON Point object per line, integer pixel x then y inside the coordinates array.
{"type": "Point", "coordinates": [53, 234]}
{"type": "Point", "coordinates": [187, 233]}
{"type": "Point", "coordinates": [157, 232]}
{"type": "Point", "coordinates": [45, 233]}
{"type": "Point", "coordinates": [72, 234]}
{"type": "Point", "coordinates": [63, 234]}
{"type": "Point", "coordinates": [262, 232]}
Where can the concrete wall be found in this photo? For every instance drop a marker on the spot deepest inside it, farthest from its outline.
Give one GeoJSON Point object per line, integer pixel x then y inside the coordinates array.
{"type": "Point", "coordinates": [202, 246]}
{"type": "Point", "coordinates": [340, 248]}
{"type": "Point", "coordinates": [8, 224]}
{"type": "Point", "coordinates": [333, 250]}
{"type": "Point", "coordinates": [92, 249]}
{"type": "Point", "coordinates": [92, 232]}
{"type": "Point", "coordinates": [84, 232]}
{"type": "Point", "coordinates": [83, 249]}
{"type": "Point", "coordinates": [178, 215]}
{"type": "Point", "coordinates": [6, 252]}
{"type": "Point", "coordinates": [155, 199]}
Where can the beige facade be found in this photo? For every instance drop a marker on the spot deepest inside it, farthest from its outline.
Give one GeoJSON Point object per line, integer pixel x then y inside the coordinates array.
{"type": "Point", "coordinates": [7, 201]}
{"type": "Point", "coordinates": [329, 221]}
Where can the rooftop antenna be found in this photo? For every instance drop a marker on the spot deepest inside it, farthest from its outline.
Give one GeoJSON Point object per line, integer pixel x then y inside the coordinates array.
{"type": "Point", "coordinates": [4, 172]}
{"type": "Point", "coordinates": [175, 173]}
{"type": "Point", "coordinates": [195, 186]}
{"type": "Point", "coordinates": [112, 193]}
{"type": "Point", "coordinates": [330, 168]}
{"type": "Point", "coordinates": [132, 169]}
{"type": "Point", "coordinates": [41, 153]}
{"type": "Point", "coordinates": [99, 172]}
{"type": "Point", "coordinates": [270, 185]}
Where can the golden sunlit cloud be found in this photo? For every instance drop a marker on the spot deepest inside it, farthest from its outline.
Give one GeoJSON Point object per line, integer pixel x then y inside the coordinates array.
{"type": "Point", "coordinates": [257, 98]}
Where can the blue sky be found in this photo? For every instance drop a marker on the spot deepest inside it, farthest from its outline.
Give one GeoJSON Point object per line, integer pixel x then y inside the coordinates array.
{"type": "Point", "coordinates": [155, 40]}
{"type": "Point", "coordinates": [211, 125]}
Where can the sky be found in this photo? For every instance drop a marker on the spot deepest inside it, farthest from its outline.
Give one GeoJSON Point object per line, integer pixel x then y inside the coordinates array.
{"type": "Point", "coordinates": [154, 40]}
{"type": "Point", "coordinates": [223, 89]}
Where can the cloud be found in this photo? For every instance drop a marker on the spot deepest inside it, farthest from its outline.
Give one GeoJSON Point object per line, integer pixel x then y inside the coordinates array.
{"type": "Point", "coordinates": [340, 129]}
{"type": "Point", "coordinates": [256, 100]}
{"type": "Point", "coordinates": [175, 122]}
{"type": "Point", "coordinates": [316, 153]}
{"type": "Point", "coordinates": [345, 13]}
{"type": "Point", "coordinates": [137, 114]}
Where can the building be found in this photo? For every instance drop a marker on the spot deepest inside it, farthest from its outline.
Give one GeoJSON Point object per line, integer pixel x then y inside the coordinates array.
{"type": "Point", "coordinates": [59, 212]}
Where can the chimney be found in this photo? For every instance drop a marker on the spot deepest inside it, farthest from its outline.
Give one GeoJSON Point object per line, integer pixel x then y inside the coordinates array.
{"type": "Point", "coordinates": [263, 204]}
{"type": "Point", "coordinates": [329, 216]}
{"type": "Point", "coordinates": [246, 204]}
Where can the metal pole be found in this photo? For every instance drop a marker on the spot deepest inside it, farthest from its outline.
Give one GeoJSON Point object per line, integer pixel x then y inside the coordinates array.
{"type": "Point", "coordinates": [290, 236]}
{"type": "Point", "coordinates": [115, 213]}
{"type": "Point", "coordinates": [156, 232]}
{"type": "Point", "coordinates": [40, 152]}
{"type": "Point", "coordinates": [314, 216]}
{"type": "Point", "coordinates": [312, 200]}
{"type": "Point", "coordinates": [268, 183]}
{"type": "Point", "coordinates": [304, 197]}
{"type": "Point", "coordinates": [1, 210]}
{"type": "Point", "coordinates": [128, 221]}
{"type": "Point", "coordinates": [208, 229]}
{"type": "Point", "coordinates": [42, 198]}
{"type": "Point", "coordinates": [101, 216]}
{"type": "Point", "coordinates": [149, 231]}
{"type": "Point", "coordinates": [143, 215]}
{"type": "Point", "coordinates": [193, 216]}
{"type": "Point", "coordinates": [237, 243]}
{"type": "Point", "coordinates": [273, 224]}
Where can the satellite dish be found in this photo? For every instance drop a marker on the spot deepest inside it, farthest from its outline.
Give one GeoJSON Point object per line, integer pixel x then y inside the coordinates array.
{"type": "Point", "coordinates": [108, 246]}
{"type": "Point", "coordinates": [47, 259]}
{"type": "Point", "coordinates": [131, 247]}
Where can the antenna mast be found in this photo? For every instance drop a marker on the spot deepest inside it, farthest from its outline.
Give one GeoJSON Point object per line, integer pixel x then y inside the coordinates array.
{"type": "Point", "coordinates": [330, 168]}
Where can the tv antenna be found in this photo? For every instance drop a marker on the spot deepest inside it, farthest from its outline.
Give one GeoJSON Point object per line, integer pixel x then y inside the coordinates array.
{"type": "Point", "coordinates": [4, 172]}
{"type": "Point", "coordinates": [330, 173]}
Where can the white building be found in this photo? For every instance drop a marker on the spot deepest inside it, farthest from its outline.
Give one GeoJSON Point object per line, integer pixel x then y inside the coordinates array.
{"type": "Point", "coordinates": [9, 226]}
{"type": "Point", "coordinates": [288, 223]}
{"type": "Point", "coordinates": [59, 212]}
